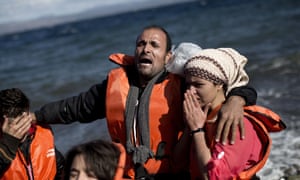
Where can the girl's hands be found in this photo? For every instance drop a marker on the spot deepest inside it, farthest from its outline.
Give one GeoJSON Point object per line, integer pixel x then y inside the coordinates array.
{"type": "Point", "coordinates": [194, 115]}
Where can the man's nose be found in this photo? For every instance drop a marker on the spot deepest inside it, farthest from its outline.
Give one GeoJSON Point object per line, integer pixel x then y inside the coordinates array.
{"type": "Point", "coordinates": [147, 47]}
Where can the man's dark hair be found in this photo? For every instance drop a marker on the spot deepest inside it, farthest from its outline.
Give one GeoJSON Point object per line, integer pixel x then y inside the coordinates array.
{"type": "Point", "coordinates": [169, 41]}
{"type": "Point", "coordinates": [13, 102]}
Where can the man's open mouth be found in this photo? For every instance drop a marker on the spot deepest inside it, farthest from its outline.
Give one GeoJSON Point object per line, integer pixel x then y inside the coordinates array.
{"type": "Point", "coordinates": [145, 61]}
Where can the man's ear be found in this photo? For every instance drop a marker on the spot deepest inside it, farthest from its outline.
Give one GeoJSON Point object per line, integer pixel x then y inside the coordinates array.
{"type": "Point", "coordinates": [168, 57]}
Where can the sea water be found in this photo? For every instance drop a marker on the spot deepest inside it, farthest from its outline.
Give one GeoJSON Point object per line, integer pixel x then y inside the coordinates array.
{"type": "Point", "coordinates": [60, 61]}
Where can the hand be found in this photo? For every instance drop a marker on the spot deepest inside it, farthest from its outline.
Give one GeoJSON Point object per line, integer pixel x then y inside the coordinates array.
{"type": "Point", "coordinates": [18, 127]}
{"type": "Point", "coordinates": [193, 113]}
{"type": "Point", "coordinates": [231, 115]}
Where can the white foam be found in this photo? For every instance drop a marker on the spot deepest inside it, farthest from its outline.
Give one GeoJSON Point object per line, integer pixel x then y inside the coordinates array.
{"type": "Point", "coordinates": [284, 155]}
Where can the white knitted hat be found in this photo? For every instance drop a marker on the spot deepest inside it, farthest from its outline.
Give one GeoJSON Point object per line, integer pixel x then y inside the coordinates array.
{"type": "Point", "coordinates": [220, 66]}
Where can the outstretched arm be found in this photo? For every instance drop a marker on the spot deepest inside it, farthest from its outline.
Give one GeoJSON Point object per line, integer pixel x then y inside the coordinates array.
{"type": "Point", "coordinates": [232, 113]}
{"type": "Point", "coordinates": [86, 107]}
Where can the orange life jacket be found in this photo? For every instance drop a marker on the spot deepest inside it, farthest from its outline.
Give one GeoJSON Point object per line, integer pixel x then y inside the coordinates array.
{"type": "Point", "coordinates": [42, 157]}
{"type": "Point", "coordinates": [165, 119]}
{"type": "Point", "coordinates": [121, 163]}
{"type": "Point", "coordinates": [264, 121]}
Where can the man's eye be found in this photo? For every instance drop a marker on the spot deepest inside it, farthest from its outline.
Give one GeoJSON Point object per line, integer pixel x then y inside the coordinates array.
{"type": "Point", "coordinates": [155, 44]}
{"type": "Point", "coordinates": [141, 43]}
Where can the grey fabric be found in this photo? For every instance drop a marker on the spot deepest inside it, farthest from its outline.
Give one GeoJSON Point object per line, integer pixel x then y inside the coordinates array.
{"type": "Point", "coordinates": [142, 152]}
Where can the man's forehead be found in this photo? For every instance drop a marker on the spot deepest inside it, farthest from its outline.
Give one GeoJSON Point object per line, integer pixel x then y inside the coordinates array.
{"type": "Point", "coordinates": [153, 35]}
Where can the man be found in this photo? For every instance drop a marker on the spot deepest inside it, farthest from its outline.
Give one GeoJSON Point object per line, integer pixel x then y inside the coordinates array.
{"type": "Point", "coordinates": [142, 104]}
{"type": "Point", "coordinates": [26, 151]}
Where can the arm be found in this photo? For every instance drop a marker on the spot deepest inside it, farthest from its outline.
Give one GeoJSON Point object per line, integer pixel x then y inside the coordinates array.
{"type": "Point", "coordinates": [86, 107]}
{"type": "Point", "coordinates": [13, 132]}
{"type": "Point", "coordinates": [248, 93]}
{"type": "Point", "coordinates": [195, 118]}
{"type": "Point", "coordinates": [232, 112]}
{"type": "Point", "coordinates": [8, 150]}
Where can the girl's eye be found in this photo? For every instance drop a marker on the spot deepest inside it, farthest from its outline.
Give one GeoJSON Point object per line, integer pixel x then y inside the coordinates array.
{"type": "Point", "coordinates": [73, 175]}
{"type": "Point", "coordinates": [198, 85]}
{"type": "Point", "coordinates": [91, 174]}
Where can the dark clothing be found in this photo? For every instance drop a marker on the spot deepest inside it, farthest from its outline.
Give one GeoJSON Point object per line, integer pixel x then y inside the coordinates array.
{"type": "Point", "coordinates": [247, 92]}
{"type": "Point", "coordinates": [8, 149]}
{"type": "Point", "coordinates": [86, 107]}
{"type": "Point", "coordinates": [90, 105]}
{"type": "Point", "coordinates": [9, 146]}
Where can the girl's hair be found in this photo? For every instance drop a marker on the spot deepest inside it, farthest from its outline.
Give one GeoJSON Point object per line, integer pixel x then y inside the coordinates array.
{"type": "Point", "coordinates": [100, 157]}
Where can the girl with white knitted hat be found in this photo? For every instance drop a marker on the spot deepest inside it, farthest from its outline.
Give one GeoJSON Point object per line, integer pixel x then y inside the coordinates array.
{"type": "Point", "coordinates": [210, 74]}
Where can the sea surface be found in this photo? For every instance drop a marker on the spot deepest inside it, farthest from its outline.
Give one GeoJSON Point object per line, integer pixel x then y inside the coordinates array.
{"type": "Point", "coordinates": [59, 61]}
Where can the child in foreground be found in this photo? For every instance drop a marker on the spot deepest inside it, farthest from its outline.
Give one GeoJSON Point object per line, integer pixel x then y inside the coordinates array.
{"type": "Point", "coordinates": [95, 160]}
{"type": "Point", "coordinates": [26, 151]}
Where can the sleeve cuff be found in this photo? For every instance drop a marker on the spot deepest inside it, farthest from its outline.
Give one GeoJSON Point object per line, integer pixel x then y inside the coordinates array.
{"type": "Point", "coordinates": [248, 93]}
{"type": "Point", "coordinates": [11, 142]}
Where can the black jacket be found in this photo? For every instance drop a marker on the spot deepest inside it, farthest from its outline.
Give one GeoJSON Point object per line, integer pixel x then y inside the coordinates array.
{"type": "Point", "coordinates": [90, 105]}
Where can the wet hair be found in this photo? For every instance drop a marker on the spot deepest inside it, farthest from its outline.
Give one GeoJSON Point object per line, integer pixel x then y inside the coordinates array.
{"type": "Point", "coordinates": [13, 102]}
{"type": "Point", "coordinates": [169, 41]}
{"type": "Point", "coordinates": [101, 158]}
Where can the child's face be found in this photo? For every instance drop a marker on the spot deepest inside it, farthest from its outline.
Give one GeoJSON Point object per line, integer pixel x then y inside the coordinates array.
{"type": "Point", "coordinates": [17, 126]}
{"type": "Point", "coordinates": [205, 91]}
{"type": "Point", "coordinates": [79, 171]}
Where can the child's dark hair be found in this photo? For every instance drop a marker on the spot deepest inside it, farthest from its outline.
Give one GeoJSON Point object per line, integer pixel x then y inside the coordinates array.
{"type": "Point", "coordinates": [13, 102]}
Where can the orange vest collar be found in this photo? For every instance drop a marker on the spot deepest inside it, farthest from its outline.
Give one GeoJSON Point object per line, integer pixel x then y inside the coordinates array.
{"type": "Point", "coordinates": [122, 59]}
